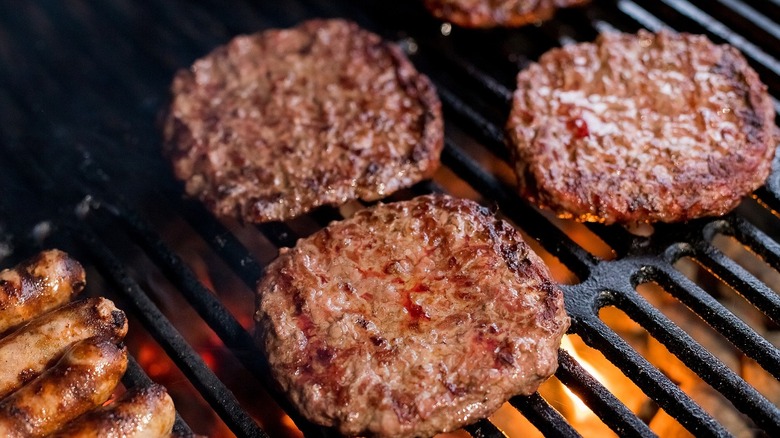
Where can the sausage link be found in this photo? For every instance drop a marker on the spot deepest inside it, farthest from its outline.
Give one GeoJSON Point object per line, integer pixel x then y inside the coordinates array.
{"type": "Point", "coordinates": [25, 353]}
{"type": "Point", "coordinates": [81, 380]}
{"type": "Point", "coordinates": [146, 412]}
{"type": "Point", "coordinates": [37, 285]}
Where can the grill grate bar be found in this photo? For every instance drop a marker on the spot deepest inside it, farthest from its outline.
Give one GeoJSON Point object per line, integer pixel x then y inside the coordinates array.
{"type": "Point", "coordinates": [218, 396]}
{"type": "Point", "coordinates": [717, 316]}
{"type": "Point", "coordinates": [165, 53]}
{"type": "Point", "coordinates": [543, 416]}
{"type": "Point", "coordinates": [715, 27]}
{"type": "Point", "coordinates": [484, 429]}
{"type": "Point", "coordinates": [769, 195]}
{"type": "Point", "coordinates": [135, 376]}
{"type": "Point", "coordinates": [434, 58]}
{"type": "Point", "coordinates": [216, 316]}
{"type": "Point", "coordinates": [758, 24]}
{"type": "Point", "coordinates": [203, 301]}
{"type": "Point", "coordinates": [486, 81]}
{"type": "Point", "coordinates": [641, 16]}
{"type": "Point", "coordinates": [488, 132]}
{"type": "Point", "coordinates": [222, 242]}
{"type": "Point", "coordinates": [617, 237]}
{"type": "Point", "coordinates": [759, 242]}
{"type": "Point", "coordinates": [279, 233]}
{"type": "Point", "coordinates": [701, 361]}
{"type": "Point", "coordinates": [598, 398]}
{"type": "Point", "coordinates": [726, 269]}
{"type": "Point", "coordinates": [646, 376]}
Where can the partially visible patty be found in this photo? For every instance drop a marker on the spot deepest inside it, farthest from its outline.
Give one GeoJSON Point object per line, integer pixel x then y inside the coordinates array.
{"type": "Point", "coordinates": [493, 13]}
{"type": "Point", "coordinates": [647, 127]}
{"type": "Point", "coordinates": [277, 123]}
{"type": "Point", "coordinates": [409, 318]}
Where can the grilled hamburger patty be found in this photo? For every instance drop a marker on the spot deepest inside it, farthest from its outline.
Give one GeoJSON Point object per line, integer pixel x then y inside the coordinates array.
{"type": "Point", "coordinates": [277, 123]}
{"type": "Point", "coordinates": [492, 13]}
{"type": "Point", "coordinates": [409, 318]}
{"type": "Point", "coordinates": [647, 127]}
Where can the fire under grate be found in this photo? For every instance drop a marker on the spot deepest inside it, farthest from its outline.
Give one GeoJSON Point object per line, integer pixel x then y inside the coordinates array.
{"type": "Point", "coordinates": [81, 169]}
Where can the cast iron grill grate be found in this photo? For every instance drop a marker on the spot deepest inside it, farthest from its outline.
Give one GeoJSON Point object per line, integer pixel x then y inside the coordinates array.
{"type": "Point", "coordinates": [82, 83]}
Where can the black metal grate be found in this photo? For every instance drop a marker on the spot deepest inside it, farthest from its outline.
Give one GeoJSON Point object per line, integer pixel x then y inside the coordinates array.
{"type": "Point", "coordinates": [81, 84]}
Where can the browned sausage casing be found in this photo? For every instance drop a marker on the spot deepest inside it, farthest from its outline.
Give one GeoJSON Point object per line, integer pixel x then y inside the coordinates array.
{"type": "Point", "coordinates": [25, 353]}
{"type": "Point", "coordinates": [146, 412]}
{"type": "Point", "coordinates": [37, 285]}
{"type": "Point", "coordinates": [81, 380]}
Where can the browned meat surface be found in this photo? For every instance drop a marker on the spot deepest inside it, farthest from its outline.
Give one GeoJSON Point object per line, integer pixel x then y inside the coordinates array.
{"type": "Point", "coordinates": [41, 283]}
{"type": "Point", "coordinates": [146, 412]}
{"type": "Point", "coordinates": [277, 123]}
{"type": "Point", "coordinates": [492, 13]}
{"type": "Point", "coordinates": [646, 127]}
{"type": "Point", "coordinates": [27, 352]}
{"type": "Point", "coordinates": [81, 380]}
{"type": "Point", "coordinates": [409, 318]}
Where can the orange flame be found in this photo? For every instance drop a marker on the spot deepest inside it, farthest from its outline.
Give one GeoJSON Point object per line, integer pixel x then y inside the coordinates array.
{"type": "Point", "coordinates": [580, 411]}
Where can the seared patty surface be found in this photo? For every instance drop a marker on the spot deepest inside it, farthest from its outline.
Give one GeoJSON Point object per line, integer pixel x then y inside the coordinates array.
{"type": "Point", "coordinates": [494, 13]}
{"type": "Point", "coordinates": [647, 127]}
{"type": "Point", "coordinates": [272, 125]}
{"type": "Point", "coordinates": [409, 318]}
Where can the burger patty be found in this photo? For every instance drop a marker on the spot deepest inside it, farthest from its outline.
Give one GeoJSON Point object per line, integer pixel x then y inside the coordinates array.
{"type": "Point", "coordinates": [409, 318]}
{"type": "Point", "coordinates": [647, 127]}
{"type": "Point", "coordinates": [492, 13]}
{"type": "Point", "coordinates": [277, 123]}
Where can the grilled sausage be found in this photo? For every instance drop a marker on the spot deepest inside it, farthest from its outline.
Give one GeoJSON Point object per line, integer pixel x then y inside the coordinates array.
{"type": "Point", "coordinates": [81, 380]}
{"type": "Point", "coordinates": [25, 353]}
{"type": "Point", "coordinates": [145, 412]}
{"type": "Point", "coordinates": [37, 285]}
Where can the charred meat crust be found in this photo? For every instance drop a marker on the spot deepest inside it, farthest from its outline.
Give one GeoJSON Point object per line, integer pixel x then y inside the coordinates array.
{"type": "Point", "coordinates": [409, 318]}
{"type": "Point", "coordinates": [274, 124]}
{"type": "Point", "coordinates": [641, 128]}
{"type": "Point", "coordinates": [494, 13]}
